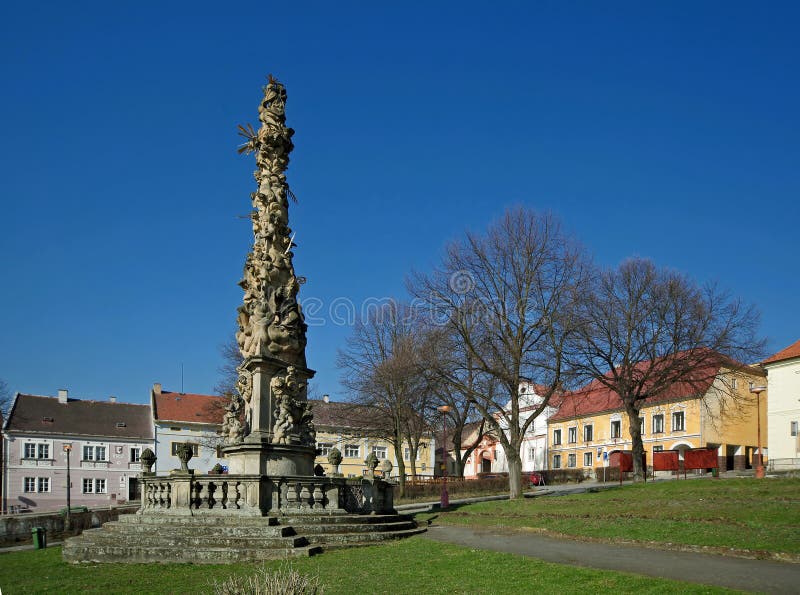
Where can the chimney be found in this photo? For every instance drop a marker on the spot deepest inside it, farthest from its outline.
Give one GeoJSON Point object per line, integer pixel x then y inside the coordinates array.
{"type": "Point", "coordinates": [62, 395]}
{"type": "Point", "coordinates": [157, 388]}
{"type": "Point", "coordinates": [112, 399]}
{"type": "Point", "coordinates": [326, 398]}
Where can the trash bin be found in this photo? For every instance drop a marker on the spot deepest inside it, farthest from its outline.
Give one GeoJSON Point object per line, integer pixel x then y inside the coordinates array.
{"type": "Point", "coordinates": [39, 535]}
{"type": "Point", "coordinates": [715, 472]}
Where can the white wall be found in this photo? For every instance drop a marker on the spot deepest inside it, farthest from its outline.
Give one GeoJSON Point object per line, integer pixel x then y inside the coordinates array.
{"type": "Point", "coordinates": [205, 435]}
{"type": "Point", "coordinates": [783, 407]}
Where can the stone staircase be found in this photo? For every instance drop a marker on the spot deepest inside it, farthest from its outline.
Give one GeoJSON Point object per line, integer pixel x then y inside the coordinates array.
{"type": "Point", "coordinates": [219, 540]}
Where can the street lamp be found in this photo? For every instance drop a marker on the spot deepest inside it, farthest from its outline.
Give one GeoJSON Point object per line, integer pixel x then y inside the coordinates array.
{"type": "Point", "coordinates": [444, 500]}
{"type": "Point", "coordinates": [757, 390]}
{"type": "Point", "coordinates": [68, 518]}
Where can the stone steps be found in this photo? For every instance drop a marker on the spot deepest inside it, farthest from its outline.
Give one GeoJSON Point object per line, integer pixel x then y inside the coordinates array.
{"type": "Point", "coordinates": [147, 530]}
{"type": "Point", "coordinates": [170, 540]}
{"type": "Point", "coordinates": [76, 552]}
{"type": "Point", "coordinates": [209, 540]}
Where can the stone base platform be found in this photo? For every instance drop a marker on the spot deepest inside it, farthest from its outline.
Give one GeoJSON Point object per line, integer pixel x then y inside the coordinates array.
{"type": "Point", "coordinates": [220, 540]}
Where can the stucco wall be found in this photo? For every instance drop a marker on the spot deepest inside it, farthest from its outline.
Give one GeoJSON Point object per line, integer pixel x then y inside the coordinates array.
{"type": "Point", "coordinates": [16, 529]}
{"type": "Point", "coordinates": [783, 380]}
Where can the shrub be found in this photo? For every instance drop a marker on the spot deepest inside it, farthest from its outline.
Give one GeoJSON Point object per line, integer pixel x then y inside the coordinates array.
{"type": "Point", "coordinates": [284, 581]}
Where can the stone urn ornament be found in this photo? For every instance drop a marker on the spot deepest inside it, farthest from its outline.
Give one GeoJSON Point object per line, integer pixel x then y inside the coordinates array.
{"type": "Point", "coordinates": [147, 459]}
{"type": "Point", "coordinates": [335, 459]}
{"type": "Point", "coordinates": [185, 454]}
{"type": "Point", "coordinates": [371, 462]}
{"type": "Point", "coordinates": [386, 467]}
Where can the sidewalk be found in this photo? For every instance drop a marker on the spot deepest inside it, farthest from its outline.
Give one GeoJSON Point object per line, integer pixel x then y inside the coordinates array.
{"type": "Point", "coordinates": [763, 576]}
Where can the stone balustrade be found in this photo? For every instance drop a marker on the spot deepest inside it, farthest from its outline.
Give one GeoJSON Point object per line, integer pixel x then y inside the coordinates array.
{"type": "Point", "coordinates": [249, 495]}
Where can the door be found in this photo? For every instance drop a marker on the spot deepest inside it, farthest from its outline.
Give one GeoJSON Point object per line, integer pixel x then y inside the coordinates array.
{"type": "Point", "coordinates": [134, 489]}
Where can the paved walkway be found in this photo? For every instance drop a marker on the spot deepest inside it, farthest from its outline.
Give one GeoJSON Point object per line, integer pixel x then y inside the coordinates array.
{"type": "Point", "coordinates": [763, 576]}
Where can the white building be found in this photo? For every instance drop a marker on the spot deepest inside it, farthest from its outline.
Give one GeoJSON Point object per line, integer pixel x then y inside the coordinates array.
{"type": "Point", "coordinates": [783, 408]}
{"type": "Point", "coordinates": [534, 444]}
{"type": "Point", "coordinates": [186, 417]}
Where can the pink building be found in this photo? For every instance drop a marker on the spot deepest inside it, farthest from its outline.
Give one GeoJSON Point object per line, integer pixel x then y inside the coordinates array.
{"type": "Point", "coordinates": [105, 439]}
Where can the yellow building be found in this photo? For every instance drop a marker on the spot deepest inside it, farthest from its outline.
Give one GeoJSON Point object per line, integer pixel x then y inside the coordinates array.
{"type": "Point", "coordinates": [345, 426]}
{"type": "Point", "coordinates": [591, 423]}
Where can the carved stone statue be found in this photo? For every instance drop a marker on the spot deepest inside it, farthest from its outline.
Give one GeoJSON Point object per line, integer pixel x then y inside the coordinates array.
{"type": "Point", "coordinates": [270, 320]}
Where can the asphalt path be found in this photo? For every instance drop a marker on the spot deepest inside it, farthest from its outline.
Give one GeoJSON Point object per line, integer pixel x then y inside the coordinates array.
{"type": "Point", "coordinates": [763, 576]}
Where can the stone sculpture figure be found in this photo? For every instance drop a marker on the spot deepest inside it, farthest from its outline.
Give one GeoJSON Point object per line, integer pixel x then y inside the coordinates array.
{"type": "Point", "coordinates": [270, 319]}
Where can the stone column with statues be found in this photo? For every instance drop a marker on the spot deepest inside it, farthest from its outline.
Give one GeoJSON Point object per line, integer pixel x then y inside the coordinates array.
{"type": "Point", "coordinates": [268, 427]}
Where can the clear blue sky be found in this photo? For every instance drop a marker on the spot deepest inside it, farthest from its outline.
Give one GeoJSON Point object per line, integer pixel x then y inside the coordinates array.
{"type": "Point", "coordinates": [664, 131]}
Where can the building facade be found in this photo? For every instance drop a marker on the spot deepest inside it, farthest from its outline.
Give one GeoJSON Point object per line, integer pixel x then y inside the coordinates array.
{"type": "Point", "coordinates": [534, 444]}
{"type": "Point", "coordinates": [591, 424]}
{"type": "Point", "coordinates": [186, 417]}
{"type": "Point", "coordinates": [347, 427]}
{"type": "Point", "coordinates": [99, 441]}
{"type": "Point", "coordinates": [783, 412]}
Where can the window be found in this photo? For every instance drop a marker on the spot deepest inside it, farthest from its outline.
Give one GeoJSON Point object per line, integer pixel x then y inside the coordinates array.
{"type": "Point", "coordinates": [194, 445]}
{"type": "Point", "coordinates": [571, 460]}
{"type": "Point", "coordinates": [324, 448]}
{"type": "Point", "coordinates": [556, 461]}
{"type": "Point", "coordinates": [94, 486]}
{"type": "Point", "coordinates": [43, 484]}
{"type": "Point", "coordinates": [136, 453]}
{"type": "Point", "coordinates": [380, 452]}
{"type": "Point", "coordinates": [658, 424]}
{"type": "Point", "coordinates": [658, 449]}
{"type": "Point", "coordinates": [793, 428]}
{"type": "Point", "coordinates": [616, 428]}
{"type": "Point", "coordinates": [352, 451]}
{"type": "Point", "coordinates": [572, 435]}
{"type": "Point", "coordinates": [587, 433]}
{"type": "Point", "coordinates": [678, 420]}
{"type": "Point", "coordinates": [37, 450]}
{"type": "Point", "coordinates": [641, 426]}
{"type": "Point", "coordinates": [407, 453]}
{"type": "Point", "coordinates": [556, 437]}
{"type": "Point", "coordinates": [531, 453]}
{"type": "Point", "coordinates": [94, 453]}
{"type": "Point", "coordinates": [733, 383]}
{"type": "Point", "coordinates": [29, 485]}
{"type": "Point", "coordinates": [587, 459]}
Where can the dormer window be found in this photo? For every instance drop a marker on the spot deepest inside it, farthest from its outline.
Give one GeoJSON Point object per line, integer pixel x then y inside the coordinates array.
{"type": "Point", "coordinates": [121, 424]}
{"type": "Point", "coordinates": [48, 420]}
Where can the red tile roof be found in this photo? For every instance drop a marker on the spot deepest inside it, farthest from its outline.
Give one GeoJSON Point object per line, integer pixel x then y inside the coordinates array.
{"type": "Point", "coordinates": [596, 397]}
{"type": "Point", "coordinates": [790, 352]}
{"type": "Point", "coordinates": [188, 408]}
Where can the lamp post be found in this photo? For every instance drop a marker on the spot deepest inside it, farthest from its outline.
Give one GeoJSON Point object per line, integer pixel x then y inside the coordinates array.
{"type": "Point", "coordinates": [68, 517]}
{"type": "Point", "coordinates": [757, 390]}
{"type": "Point", "coordinates": [444, 500]}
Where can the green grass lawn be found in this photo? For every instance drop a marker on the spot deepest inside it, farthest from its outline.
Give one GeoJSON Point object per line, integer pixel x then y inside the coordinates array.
{"type": "Point", "coordinates": [411, 566]}
{"type": "Point", "coordinates": [744, 514]}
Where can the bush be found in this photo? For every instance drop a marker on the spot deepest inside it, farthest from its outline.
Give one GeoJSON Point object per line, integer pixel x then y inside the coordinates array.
{"type": "Point", "coordinates": [284, 581]}
{"type": "Point", "coordinates": [552, 476]}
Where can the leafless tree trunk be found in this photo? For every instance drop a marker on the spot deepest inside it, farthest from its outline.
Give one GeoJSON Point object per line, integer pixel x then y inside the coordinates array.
{"type": "Point", "coordinates": [645, 330]}
{"type": "Point", "coordinates": [381, 369]}
{"type": "Point", "coordinates": [509, 297]}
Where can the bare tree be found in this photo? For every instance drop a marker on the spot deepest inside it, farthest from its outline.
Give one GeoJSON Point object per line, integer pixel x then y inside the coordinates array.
{"type": "Point", "coordinates": [444, 358]}
{"type": "Point", "coordinates": [228, 370]}
{"type": "Point", "coordinates": [380, 365]}
{"type": "Point", "coordinates": [645, 329]}
{"type": "Point", "coordinates": [6, 399]}
{"type": "Point", "coordinates": [509, 296]}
